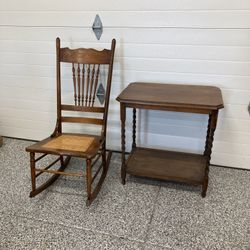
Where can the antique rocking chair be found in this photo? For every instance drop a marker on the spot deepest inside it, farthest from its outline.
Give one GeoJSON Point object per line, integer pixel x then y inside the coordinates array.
{"type": "Point", "coordinates": [86, 67]}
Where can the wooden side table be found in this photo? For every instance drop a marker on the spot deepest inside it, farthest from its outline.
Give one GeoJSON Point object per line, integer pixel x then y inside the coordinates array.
{"type": "Point", "coordinates": [162, 164]}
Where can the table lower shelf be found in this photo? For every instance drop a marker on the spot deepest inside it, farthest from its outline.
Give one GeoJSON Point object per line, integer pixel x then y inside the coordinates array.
{"type": "Point", "coordinates": [167, 165]}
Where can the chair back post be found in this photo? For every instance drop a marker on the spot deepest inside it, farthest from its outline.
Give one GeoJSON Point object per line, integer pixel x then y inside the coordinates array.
{"type": "Point", "coordinates": [58, 80]}
{"type": "Point", "coordinates": [109, 80]}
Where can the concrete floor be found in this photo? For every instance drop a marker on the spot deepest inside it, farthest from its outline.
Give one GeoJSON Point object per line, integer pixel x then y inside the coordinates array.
{"type": "Point", "coordinates": [143, 214]}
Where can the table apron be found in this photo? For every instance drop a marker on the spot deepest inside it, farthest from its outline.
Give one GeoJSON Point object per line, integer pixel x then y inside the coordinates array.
{"type": "Point", "coordinates": [175, 109]}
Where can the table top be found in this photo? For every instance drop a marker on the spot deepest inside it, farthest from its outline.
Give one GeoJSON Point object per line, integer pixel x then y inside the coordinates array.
{"type": "Point", "coordinates": [172, 95]}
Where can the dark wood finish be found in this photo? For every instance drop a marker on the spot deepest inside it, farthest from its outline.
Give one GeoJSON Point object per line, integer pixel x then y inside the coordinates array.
{"type": "Point", "coordinates": [96, 82]}
{"type": "Point", "coordinates": [85, 56]}
{"type": "Point", "coordinates": [83, 81]}
{"type": "Point", "coordinates": [1, 141]}
{"type": "Point", "coordinates": [88, 178]}
{"type": "Point", "coordinates": [134, 128]}
{"type": "Point", "coordinates": [74, 82]}
{"type": "Point", "coordinates": [33, 172]}
{"type": "Point", "coordinates": [87, 87]}
{"type": "Point", "coordinates": [162, 164]}
{"type": "Point", "coordinates": [91, 84]}
{"type": "Point", "coordinates": [208, 133]}
{"type": "Point", "coordinates": [58, 128]}
{"type": "Point", "coordinates": [212, 122]}
{"type": "Point", "coordinates": [167, 165]}
{"type": "Point", "coordinates": [79, 84]}
{"type": "Point", "coordinates": [85, 84]}
{"type": "Point", "coordinates": [123, 141]}
{"type": "Point", "coordinates": [86, 64]}
{"type": "Point", "coordinates": [82, 109]}
{"type": "Point", "coordinates": [102, 178]}
{"type": "Point", "coordinates": [82, 120]}
{"type": "Point", "coordinates": [183, 98]}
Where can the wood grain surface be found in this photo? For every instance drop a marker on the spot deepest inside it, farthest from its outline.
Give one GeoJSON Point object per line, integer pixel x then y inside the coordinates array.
{"type": "Point", "coordinates": [208, 97]}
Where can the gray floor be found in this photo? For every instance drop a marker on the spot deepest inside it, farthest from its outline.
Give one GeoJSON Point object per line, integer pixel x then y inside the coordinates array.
{"type": "Point", "coordinates": [143, 214]}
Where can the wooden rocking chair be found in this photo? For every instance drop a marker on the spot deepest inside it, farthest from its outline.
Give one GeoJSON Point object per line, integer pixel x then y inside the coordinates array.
{"type": "Point", "coordinates": [86, 67]}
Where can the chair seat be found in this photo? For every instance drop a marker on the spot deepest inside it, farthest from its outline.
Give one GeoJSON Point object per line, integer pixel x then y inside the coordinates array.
{"type": "Point", "coordinates": [78, 145]}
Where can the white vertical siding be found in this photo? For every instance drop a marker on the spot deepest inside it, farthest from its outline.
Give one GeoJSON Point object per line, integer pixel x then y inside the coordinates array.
{"type": "Point", "coordinates": [172, 41]}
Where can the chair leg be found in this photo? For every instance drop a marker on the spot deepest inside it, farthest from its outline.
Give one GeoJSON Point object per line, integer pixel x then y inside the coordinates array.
{"type": "Point", "coordinates": [88, 180]}
{"type": "Point", "coordinates": [61, 160]}
{"type": "Point", "coordinates": [32, 170]}
{"type": "Point", "coordinates": [204, 186]}
{"type": "Point", "coordinates": [105, 166]}
{"type": "Point", "coordinates": [104, 159]}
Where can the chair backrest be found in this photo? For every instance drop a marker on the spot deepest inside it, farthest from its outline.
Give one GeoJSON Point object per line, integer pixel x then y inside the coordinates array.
{"type": "Point", "coordinates": [86, 64]}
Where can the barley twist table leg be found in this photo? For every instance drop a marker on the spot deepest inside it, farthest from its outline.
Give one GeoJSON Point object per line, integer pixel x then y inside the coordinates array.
{"type": "Point", "coordinates": [134, 129]}
{"type": "Point", "coordinates": [208, 148]}
{"type": "Point", "coordinates": [208, 134]}
{"type": "Point", "coordinates": [123, 143]}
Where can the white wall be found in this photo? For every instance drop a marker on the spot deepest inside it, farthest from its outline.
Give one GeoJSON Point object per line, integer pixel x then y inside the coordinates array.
{"type": "Point", "coordinates": [172, 41]}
